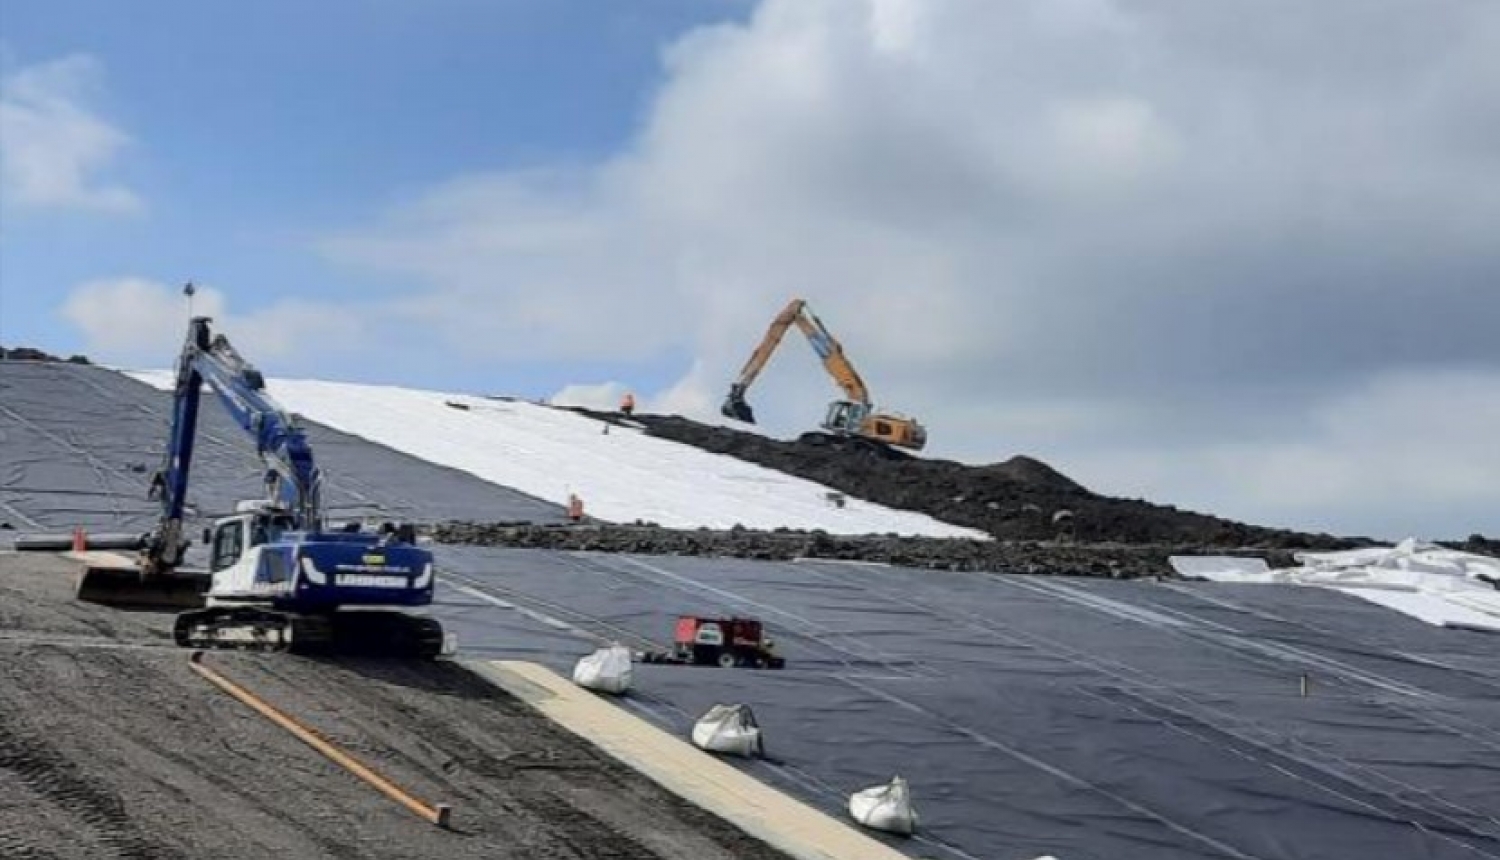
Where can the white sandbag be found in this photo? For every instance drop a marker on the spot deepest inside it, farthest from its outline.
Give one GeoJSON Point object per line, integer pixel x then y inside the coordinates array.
{"type": "Point", "coordinates": [885, 807]}
{"type": "Point", "coordinates": [729, 729]}
{"type": "Point", "coordinates": [450, 644]}
{"type": "Point", "coordinates": [607, 670]}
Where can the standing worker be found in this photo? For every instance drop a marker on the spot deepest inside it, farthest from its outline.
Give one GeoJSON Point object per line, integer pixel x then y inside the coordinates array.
{"type": "Point", "coordinates": [627, 404]}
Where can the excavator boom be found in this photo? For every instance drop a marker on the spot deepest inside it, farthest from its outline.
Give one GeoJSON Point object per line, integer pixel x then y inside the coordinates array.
{"type": "Point", "coordinates": [829, 350]}
{"type": "Point", "coordinates": [853, 415]}
{"type": "Point", "coordinates": [735, 405]}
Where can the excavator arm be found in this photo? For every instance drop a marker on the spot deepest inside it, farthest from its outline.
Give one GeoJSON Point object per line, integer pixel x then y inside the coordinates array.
{"type": "Point", "coordinates": [293, 480]}
{"type": "Point", "coordinates": [852, 417]}
{"type": "Point", "coordinates": [829, 350]}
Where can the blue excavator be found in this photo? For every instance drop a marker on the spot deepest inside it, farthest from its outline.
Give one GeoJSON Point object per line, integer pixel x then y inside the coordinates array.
{"type": "Point", "coordinates": [277, 578]}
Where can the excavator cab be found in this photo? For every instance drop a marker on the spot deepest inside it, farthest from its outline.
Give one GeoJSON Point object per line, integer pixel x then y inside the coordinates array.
{"type": "Point", "coordinates": [254, 524]}
{"type": "Point", "coordinates": [846, 417]}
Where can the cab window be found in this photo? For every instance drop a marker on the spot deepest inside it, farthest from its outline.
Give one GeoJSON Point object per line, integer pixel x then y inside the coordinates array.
{"type": "Point", "coordinates": [228, 543]}
{"type": "Point", "coordinates": [274, 567]}
{"type": "Point", "coordinates": [268, 530]}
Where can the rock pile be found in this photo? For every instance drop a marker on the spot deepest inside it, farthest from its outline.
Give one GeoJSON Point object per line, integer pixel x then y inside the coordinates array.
{"type": "Point", "coordinates": [1113, 560]}
{"type": "Point", "coordinates": [26, 353]}
{"type": "Point", "coordinates": [1019, 499]}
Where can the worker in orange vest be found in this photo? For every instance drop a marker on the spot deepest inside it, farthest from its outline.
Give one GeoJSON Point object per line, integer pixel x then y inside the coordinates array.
{"type": "Point", "coordinates": [627, 404]}
{"type": "Point", "coordinates": [575, 508]}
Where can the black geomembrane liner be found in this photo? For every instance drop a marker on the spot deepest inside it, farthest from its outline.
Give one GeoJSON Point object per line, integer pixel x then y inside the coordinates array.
{"type": "Point", "coordinates": [1085, 718]}
{"type": "Point", "coordinates": [80, 444]}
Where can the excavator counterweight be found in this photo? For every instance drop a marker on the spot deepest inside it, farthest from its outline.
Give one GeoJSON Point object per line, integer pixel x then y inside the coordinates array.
{"type": "Point", "coordinates": [853, 416]}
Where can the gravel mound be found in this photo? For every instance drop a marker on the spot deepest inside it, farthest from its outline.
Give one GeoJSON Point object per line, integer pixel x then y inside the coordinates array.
{"type": "Point", "coordinates": [1020, 499]}
{"type": "Point", "coordinates": [1112, 560]}
{"type": "Point", "coordinates": [26, 353]}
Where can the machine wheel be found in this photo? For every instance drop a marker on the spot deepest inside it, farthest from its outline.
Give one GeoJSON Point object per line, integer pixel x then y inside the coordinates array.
{"type": "Point", "coordinates": [727, 660]}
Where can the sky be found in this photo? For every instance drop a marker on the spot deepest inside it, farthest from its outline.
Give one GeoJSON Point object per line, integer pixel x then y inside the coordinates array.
{"type": "Point", "coordinates": [1236, 257]}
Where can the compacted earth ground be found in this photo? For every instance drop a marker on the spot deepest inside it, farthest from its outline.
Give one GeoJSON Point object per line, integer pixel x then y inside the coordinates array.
{"type": "Point", "coordinates": [111, 746]}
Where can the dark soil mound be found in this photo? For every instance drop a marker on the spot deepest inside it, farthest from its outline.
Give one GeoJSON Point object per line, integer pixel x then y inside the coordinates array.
{"type": "Point", "coordinates": [1112, 560]}
{"type": "Point", "coordinates": [26, 353]}
{"type": "Point", "coordinates": [1027, 471]}
{"type": "Point", "coordinates": [1019, 499]}
{"type": "Point", "coordinates": [1477, 544]}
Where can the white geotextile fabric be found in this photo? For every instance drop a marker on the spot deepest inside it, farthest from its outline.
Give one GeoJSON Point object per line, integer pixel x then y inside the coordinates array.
{"type": "Point", "coordinates": [607, 670]}
{"type": "Point", "coordinates": [621, 476]}
{"type": "Point", "coordinates": [1426, 581]}
{"type": "Point", "coordinates": [728, 729]}
{"type": "Point", "coordinates": [885, 807]}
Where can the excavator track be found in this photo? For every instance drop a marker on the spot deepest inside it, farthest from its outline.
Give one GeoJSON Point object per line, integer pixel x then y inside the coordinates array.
{"type": "Point", "coordinates": [251, 628]}
{"type": "Point", "coordinates": [385, 633]}
{"type": "Point", "coordinates": [374, 633]}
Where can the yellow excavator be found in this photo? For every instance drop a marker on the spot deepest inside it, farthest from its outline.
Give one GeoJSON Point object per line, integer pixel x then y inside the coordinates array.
{"type": "Point", "coordinates": [853, 417]}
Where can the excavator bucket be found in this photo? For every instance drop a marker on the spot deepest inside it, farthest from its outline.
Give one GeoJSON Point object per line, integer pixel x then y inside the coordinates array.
{"type": "Point", "coordinates": [735, 407]}
{"type": "Point", "coordinates": [115, 580]}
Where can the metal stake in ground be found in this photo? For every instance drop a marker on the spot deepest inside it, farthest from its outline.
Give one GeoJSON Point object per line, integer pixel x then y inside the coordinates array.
{"type": "Point", "coordinates": [437, 814]}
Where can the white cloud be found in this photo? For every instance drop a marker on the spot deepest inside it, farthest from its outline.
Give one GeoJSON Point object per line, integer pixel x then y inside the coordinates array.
{"type": "Point", "coordinates": [1407, 453]}
{"type": "Point", "coordinates": [129, 319]}
{"type": "Point", "coordinates": [1084, 229]}
{"type": "Point", "coordinates": [553, 269]}
{"type": "Point", "coordinates": [140, 322]}
{"type": "Point", "coordinates": [696, 395]}
{"type": "Point", "coordinates": [603, 396]}
{"type": "Point", "coordinates": [53, 148]}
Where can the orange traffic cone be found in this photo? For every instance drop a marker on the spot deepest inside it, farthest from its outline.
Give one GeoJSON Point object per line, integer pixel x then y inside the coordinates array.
{"type": "Point", "coordinates": [80, 540]}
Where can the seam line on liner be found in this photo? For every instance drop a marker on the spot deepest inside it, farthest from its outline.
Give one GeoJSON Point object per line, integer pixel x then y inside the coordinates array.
{"type": "Point", "coordinates": [1379, 812]}
{"type": "Point", "coordinates": [811, 629]}
{"type": "Point", "coordinates": [1150, 682]}
{"type": "Point", "coordinates": [1058, 772]}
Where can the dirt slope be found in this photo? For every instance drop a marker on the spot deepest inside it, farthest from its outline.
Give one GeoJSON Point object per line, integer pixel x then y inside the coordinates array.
{"type": "Point", "coordinates": [1019, 499]}
{"type": "Point", "coordinates": [110, 746]}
